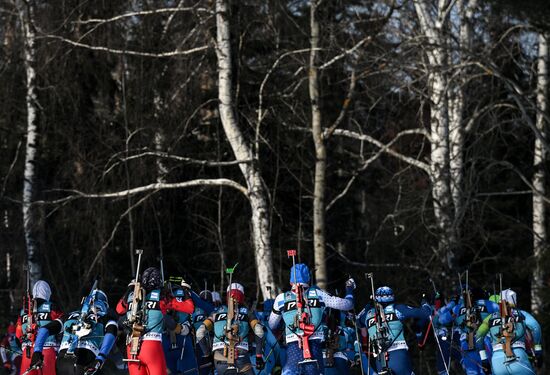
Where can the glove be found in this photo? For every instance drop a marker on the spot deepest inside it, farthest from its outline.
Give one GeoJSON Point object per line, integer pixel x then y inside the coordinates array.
{"type": "Point", "coordinates": [182, 329]}
{"type": "Point", "coordinates": [350, 286]}
{"type": "Point", "coordinates": [185, 284]}
{"type": "Point", "coordinates": [37, 359]}
{"type": "Point", "coordinates": [486, 366]}
{"type": "Point", "coordinates": [260, 364]}
{"type": "Point", "coordinates": [7, 366]}
{"type": "Point", "coordinates": [538, 359]}
{"type": "Point", "coordinates": [94, 367]}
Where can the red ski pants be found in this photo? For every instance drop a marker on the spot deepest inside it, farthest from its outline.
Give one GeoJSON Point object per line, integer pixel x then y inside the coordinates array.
{"type": "Point", "coordinates": [48, 368]}
{"type": "Point", "coordinates": [151, 359]}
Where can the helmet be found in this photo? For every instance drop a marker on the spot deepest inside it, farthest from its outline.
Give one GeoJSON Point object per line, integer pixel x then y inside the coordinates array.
{"type": "Point", "coordinates": [99, 295]}
{"type": "Point", "coordinates": [151, 279]}
{"type": "Point", "coordinates": [98, 301]}
{"type": "Point", "coordinates": [236, 291]}
{"type": "Point", "coordinates": [299, 274]}
{"type": "Point", "coordinates": [99, 308]}
{"type": "Point", "coordinates": [510, 297]}
{"type": "Point", "coordinates": [206, 295]}
{"type": "Point", "coordinates": [384, 294]}
{"type": "Point", "coordinates": [41, 290]}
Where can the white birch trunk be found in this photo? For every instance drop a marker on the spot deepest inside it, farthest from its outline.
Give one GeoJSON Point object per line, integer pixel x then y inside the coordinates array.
{"type": "Point", "coordinates": [243, 151]}
{"type": "Point", "coordinates": [31, 219]}
{"type": "Point", "coordinates": [433, 30]}
{"type": "Point", "coordinates": [456, 119]}
{"type": "Point", "coordinates": [539, 179]}
{"type": "Point", "coordinates": [319, 249]}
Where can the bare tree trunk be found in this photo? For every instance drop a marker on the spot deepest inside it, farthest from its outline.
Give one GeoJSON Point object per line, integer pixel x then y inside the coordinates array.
{"type": "Point", "coordinates": [320, 156]}
{"type": "Point", "coordinates": [243, 151]}
{"type": "Point", "coordinates": [465, 10]}
{"type": "Point", "coordinates": [434, 30]}
{"type": "Point", "coordinates": [31, 215]}
{"type": "Point", "coordinates": [539, 178]}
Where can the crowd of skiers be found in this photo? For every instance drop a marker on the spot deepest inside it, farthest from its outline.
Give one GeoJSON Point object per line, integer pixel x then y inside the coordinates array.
{"type": "Point", "coordinates": [170, 329]}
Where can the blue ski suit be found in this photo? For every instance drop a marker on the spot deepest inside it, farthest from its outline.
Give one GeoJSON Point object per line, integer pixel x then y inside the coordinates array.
{"type": "Point", "coordinates": [448, 343]}
{"type": "Point", "coordinates": [285, 309]}
{"type": "Point", "coordinates": [526, 337]}
{"type": "Point", "coordinates": [471, 360]}
{"type": "Point", "coordinates": [177, 343]}
{"type": "Point", "coordinates": [202, 310]}
{"type": "Point", "coordinates": [342, 345]}
{"type": "Point", "coordinates": [387, 342]}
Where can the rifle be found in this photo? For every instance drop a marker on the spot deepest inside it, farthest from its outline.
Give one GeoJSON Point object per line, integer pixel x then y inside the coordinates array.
{"type": "Point", "coordinates": [136, 317]}
{"type": "Point", "coordinates": [472, 321]}
{"type": "Point", "coordinates": [507, 327]}
{"type": "Point", "coordinates": [382, 330]}
{"type": "Point", "coordinates": [302, 317]}
{"type": "Point", "coordinates": [30, 332]}
{"type": "Point", "coordinates": [231, 326]}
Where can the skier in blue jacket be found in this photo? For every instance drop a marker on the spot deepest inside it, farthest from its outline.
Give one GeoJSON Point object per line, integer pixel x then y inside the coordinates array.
{"type": "Point", "coordinates": [297, 334]}
{"type": "Point", "coordinates": [383, 323]}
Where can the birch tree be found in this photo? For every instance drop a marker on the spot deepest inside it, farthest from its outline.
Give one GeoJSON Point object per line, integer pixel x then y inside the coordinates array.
{"type": "Point", "coordinates": [447, 82]}
{"type": "Point", "coordinates": [243, 151]}
{"type": "Point", "coordinates": [433, 30]}
{"type": "Point", "coordinates": [31, 218]}
{"type": "Point", "coordinates": [457, 97]}
{"type": "Point", "coordinates": [540, 237]}
{"type": "Point", "coordinates": [320, 154]}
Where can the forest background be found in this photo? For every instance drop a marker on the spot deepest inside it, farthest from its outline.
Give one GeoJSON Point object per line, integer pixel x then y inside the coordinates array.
{"type": "Point", "coordinates": [405, 138]}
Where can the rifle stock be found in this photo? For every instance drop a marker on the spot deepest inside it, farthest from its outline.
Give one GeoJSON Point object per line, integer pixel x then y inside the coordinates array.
{"type": "Point", "coordinates": [507, 328]}
{"type": "Point", "coordinates": [136, 319]}
{"type": "Point", "coordinates": [231, 327]}
{"type": "Point", "coordinates": [30, 332]}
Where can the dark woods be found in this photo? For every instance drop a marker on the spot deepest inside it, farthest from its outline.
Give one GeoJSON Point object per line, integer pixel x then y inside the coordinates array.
{"type": "Point", "coordinates": [127, 96]}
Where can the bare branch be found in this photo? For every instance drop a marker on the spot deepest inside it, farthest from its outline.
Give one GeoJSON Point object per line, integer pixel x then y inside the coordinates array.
{"type": "Point", "coordinates": [342, 193]}
{"type": "Point", "coordinates": [261, 113]}
{"type": "Point", "coordinates": [155, 187]}
{"type": "Point", "coordinates": [345, 106]}
{"type": "Point", "coordinates": [345, 53]}
{"type": "Point", "coordinates": [112, 236]}
{"type": "Point", "coordinates": [12, 165]}
{"type": "Point", "coordinates": [141, 13]}
{"type": "Point", "coordinates": [165, 155]}
{"type": "Point", "coordinates": [386, 148]}
{"type": "Point", "coordinates": [128, 52]}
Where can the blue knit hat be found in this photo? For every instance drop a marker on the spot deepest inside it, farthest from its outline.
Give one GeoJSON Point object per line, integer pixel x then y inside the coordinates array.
{"type": "Point", "coordinates": [302, 274]}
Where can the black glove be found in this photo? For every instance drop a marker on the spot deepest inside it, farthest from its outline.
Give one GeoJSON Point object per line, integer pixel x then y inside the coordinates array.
{"type": "Point", "coordinates": [37, 360]}
{"type": "Point", "coordinates": [486, 365]}
{"type": "Point", "coordinates": [260, 364]}
{"type": "Point", "coordinates": [538, 360]}
{"type": "Point", "coordinates": [94, 367]}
